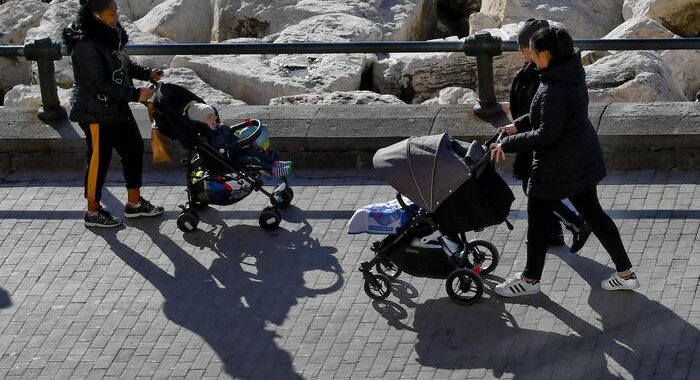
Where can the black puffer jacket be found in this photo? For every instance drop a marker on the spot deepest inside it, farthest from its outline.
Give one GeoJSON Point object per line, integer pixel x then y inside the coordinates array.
{"type": "Point", "coordinates": [523, 89]}
{"type": "Point", "coordinates": [103, 72]}
{"type": "Point", "coordinates": [567, 155]}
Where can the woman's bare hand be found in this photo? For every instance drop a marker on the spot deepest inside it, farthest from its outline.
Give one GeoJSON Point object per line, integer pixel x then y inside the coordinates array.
{"type": "Point", "coordinates": [497, 153]}
{"type": "Point", "coordinates": [508, 129]}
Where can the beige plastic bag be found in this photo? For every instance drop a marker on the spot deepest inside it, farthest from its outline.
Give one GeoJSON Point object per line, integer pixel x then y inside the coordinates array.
{"type": "Point", "coordinates": [161, 146]}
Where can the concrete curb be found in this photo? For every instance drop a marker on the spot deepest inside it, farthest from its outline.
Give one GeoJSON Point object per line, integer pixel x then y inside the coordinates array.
{"type": "Point", "coordinates": [633, 136]}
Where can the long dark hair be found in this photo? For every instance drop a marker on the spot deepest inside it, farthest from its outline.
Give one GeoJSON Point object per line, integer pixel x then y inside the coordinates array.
{"type": "Point", "coordinates": [86, 25]}
{"type": "Point", "coordinates": [556, 41]}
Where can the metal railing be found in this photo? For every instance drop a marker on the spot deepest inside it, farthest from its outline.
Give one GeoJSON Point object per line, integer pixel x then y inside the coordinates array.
{"type": "Point", "coordinates": [482, 45]}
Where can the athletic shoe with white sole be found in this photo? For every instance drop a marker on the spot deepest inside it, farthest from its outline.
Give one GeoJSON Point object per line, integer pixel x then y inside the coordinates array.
{"type": "Point", "coordinates": [101, 219]}
{"type": "Point", "coordinates": [615, 282]}
{"type": "Point", "coordinates": [143, 208]}
{"type": "Point", "coordinates": [517, 286]}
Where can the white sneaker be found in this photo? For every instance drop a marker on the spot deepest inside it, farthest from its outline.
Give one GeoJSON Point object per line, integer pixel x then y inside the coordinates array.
{"type": "Point", "coordinates": [615, 282]}
{"type": "Point", "coordinates": [517, 286]}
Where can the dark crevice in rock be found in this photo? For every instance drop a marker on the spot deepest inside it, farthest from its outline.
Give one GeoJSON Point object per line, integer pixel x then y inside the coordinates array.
{"type": "Point", "coordinates": [367, 80]}
{"type": "Point", "coordinates": [453, 17]}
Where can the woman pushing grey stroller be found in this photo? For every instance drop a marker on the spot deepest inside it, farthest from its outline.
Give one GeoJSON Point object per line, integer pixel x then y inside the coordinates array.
{"type": "Point", "coordinates": [567, 161]}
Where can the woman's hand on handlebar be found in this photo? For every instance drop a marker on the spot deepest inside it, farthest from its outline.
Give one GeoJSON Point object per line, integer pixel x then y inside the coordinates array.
{"type": "Point", "coordinates": [156, 75]}
{"type": "Point", "coordinates": [497, 153]}
{"type": "Point", "coordinates": [508, 129]}
{"type": "Point", "coordinates": [145, 94]}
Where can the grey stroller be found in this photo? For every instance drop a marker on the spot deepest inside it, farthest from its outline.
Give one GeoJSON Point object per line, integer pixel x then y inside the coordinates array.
{"type": "Point", "coordinates": [454, 189]}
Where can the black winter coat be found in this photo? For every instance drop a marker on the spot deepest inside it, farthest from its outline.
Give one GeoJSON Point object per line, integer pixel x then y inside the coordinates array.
{"type": "Point", "coordinates": [567, 158]}
{"type": "Point", "coordinates": [103, 72]}
{"type": "Point", "coordinates": [523, 89]}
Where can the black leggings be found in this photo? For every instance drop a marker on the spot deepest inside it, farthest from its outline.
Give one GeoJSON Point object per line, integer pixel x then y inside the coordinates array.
{"type": "Point", "coordinates": [126, 139]}
{"type": "Point", "coordinates": [560, 213]}
{"type": "Point", "coordinates": [539, 221]}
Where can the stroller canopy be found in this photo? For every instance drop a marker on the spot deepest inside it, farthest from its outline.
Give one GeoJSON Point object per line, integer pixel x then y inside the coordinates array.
{"type": "Point", "coordinates": [425, 169]}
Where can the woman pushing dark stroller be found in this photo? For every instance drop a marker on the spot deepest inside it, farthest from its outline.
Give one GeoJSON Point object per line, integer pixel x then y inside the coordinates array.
{"type": "Point", "coordinates": [224, 163]}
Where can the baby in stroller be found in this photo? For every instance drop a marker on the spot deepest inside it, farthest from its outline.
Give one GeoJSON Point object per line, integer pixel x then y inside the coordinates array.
{"type": "Point", "coordinates": [247, 143]}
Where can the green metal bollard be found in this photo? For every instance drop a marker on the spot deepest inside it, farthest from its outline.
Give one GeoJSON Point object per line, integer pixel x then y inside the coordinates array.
{"type": "Point", "coordinates": [45, 52]}
{"type": "Point", "coordinates": [485, 46]}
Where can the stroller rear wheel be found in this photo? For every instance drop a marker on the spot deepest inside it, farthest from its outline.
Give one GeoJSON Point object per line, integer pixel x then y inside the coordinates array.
{"type": "Point", "coordinates": [464, 286]}
{"type": "Point", "coordinates": [484, 251]}
{"type": "Point", "coordinates": [377, 286]}
{"type": "Point", "coordinates": [388, 269]}
{"type": "Point", "coordinates": [187, 221]}
{"type": "Point", "coordinates": [270, 218]}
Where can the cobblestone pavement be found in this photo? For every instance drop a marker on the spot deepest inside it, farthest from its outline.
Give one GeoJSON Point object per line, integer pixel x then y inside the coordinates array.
{"type": "Point", "coordinates": [233, 301]}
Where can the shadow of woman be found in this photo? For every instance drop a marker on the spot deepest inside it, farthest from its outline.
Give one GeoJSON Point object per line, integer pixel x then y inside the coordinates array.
{"type": "Point", "coordinates": [487, 336]}
{"type": "Point", "coordinates": [658, 343]}
{"type": "Point", "coordinates": [262, 276]}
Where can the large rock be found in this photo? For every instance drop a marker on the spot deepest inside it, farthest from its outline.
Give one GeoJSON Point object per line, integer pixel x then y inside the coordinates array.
{"type": "Point", "coordinates": [180, 20]}
{"type": "Point", "coordinates": [138, 36]}
{"type": "Point", "coordinates": [399, 19]}
{"type": "Point", "coordinates": [59, 14]}
{"type": "Point", "coordinates": [189, 79]}
{"type": "Point", "coordinates": [682, 17]}
{"type": "Point", "coordinates": [256, 79]}
{"type": "Point", "coordinates": [631, 77]}
{"type": "Point", "coordinates": [135, 9]}
{"type": "Point", "coordinates": [637, 27]}
{"type": "Point", "coordinates": [417, 77]}
{"type": "Point", "coordinates": [454, 95]}
{"type": "Point", "coordinates": [685, 68]}
{"type": "Point", "coordinates": [338, 97]}
{"type": "Point", "coordinates": [28, 98]}
{"type": "Point", "coordinates": [16, 18]}
{"type": "Point", "coordinates": [584, 19]}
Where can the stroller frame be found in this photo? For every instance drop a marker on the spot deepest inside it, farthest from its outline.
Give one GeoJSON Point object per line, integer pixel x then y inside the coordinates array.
{"type": "Point", "coordinates": [270, 217]}
{"type": "Point", "coordinates": [464, 285]}
{"type": "Point", "coordinates": [200, 151]}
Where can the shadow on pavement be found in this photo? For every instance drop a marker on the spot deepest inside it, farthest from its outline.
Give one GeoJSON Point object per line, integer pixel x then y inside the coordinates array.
{"type": "Point", "coordinates": [262, 274]}
{"type": "Point", "coordinates": [638, 335]}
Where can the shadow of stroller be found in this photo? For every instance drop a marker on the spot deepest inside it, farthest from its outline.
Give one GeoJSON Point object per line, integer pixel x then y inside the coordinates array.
{"type": "Point", "coordinates": [262, 276]}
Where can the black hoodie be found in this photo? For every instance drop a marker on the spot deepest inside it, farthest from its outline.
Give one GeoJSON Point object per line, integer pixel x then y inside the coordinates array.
{"type": "Point", "coordinates": [567, 158]}
{"type": "Point", "coordinates": [102, 71]}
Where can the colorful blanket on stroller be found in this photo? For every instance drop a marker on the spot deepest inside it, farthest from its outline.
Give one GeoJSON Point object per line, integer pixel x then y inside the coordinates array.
{"type": "Point", "coordinates": [380, 218]}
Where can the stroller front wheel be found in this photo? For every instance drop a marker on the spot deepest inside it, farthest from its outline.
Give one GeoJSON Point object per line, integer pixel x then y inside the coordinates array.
{"type": "Point", "coordinates": [378, 286]}
{"type": "Point", "coordinates": [285, 196]}
{"type": "Point", "coordinates": [187, 221]}
{"type": "Point", "coordinates": [270, 218]}
{"type": "Point", "coordinates": [464, 286]}
{"type": "Point", "coordinates": [485, 253]}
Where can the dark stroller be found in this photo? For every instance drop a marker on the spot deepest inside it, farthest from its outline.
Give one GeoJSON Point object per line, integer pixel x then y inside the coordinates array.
{"type": "Point", "coordinates": [455, 189]}
{"type": "Point", "coordinates": [210, 169]}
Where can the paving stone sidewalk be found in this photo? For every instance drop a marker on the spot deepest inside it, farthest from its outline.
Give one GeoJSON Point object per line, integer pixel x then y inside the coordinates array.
{"type": "Point", "coordinates": [234, 301]}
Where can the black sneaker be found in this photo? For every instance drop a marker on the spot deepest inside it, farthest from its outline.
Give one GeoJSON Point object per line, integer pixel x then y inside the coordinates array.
{"type": "Point", "coordinates": [101, 219]}
{"type": "Point", "coordinates": [580, 237]}
{"type": "Point", "coordinates": [143, 208]}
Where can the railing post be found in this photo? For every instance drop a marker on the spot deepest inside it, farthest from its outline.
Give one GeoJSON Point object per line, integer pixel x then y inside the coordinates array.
{"type": "Point", "coordinates": [485, 46]}
{"type": "Point", "coordinates": [45, 52]}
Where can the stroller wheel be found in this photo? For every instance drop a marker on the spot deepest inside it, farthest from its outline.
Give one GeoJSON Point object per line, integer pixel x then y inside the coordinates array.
{"type": "Point", "coordinates": [285, 196]}
{"type": "Point", "coordinates": [270, 218]}
{"type": "Point", "coordinates": [464, 286]}
{"type": "Point", "coordinates": [378, 286]}
{"type": "Point", "coordinates": [388, 269]}
{"type": "Point", "coordinates": [187, 221]}
{"type": "Point", "coordinates": [488, 251]}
